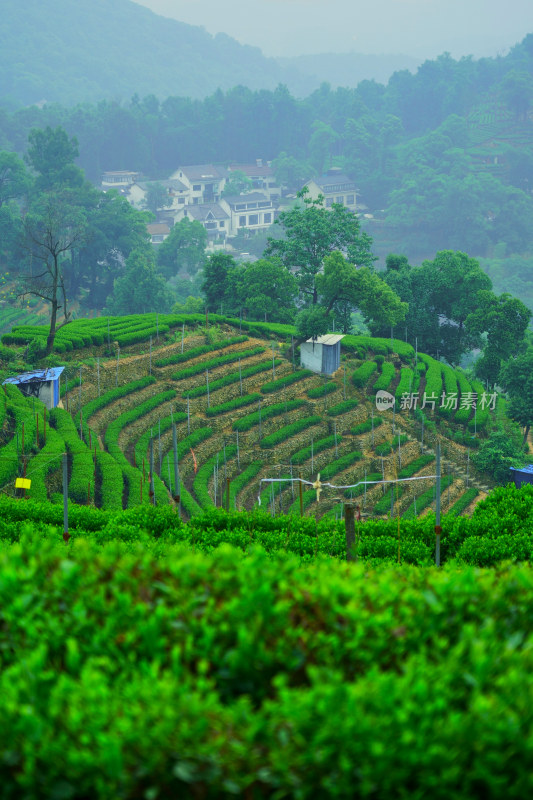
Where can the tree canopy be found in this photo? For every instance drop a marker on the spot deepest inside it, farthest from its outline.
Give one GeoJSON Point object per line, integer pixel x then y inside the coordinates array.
{"type": "Point", "coordinates": [141, 288]}
{"type": "Point", "coordinates": [184, 249]}
{"type": "Point", "coordinates": [311, 233]}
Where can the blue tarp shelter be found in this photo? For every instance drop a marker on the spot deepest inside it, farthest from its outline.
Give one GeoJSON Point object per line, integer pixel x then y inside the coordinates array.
{"type": "Point", "coordinates": [523, 475]}
{"type": "Point", "coordinates": [41, 383]}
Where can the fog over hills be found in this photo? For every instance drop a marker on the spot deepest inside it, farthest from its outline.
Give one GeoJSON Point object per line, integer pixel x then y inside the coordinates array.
{"type": "Point", "coordinates": [73, 51]}
{"type": "Point", "coordinates": [349, 69]}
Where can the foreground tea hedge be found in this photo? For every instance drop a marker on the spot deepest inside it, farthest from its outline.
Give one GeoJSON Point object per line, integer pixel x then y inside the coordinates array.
{"type": "Point", "coordinates": [500, 528]}
{"type": "Point", "coordinates": [125, 675]}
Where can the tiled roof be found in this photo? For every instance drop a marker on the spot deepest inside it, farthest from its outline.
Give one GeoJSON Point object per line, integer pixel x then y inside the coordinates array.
{"type": "Point", "coordinates": [252, 170]}
{"type": "Point", "coordinates": [197, 172]}
{"type": "Point", "coordinates": [252, 197]}
{"type": "Point", "coordinates": [334, 180]}
{"type": "Point", "coordinates": [202, 211]}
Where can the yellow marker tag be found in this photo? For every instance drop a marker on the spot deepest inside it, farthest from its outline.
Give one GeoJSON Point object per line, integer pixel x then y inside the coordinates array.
{"type": "Point", "coordinates": [22, 483]}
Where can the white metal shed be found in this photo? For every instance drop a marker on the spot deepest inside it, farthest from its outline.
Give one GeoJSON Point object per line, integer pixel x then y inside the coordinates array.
{"type": "Point", "coordinates": [323, 354]}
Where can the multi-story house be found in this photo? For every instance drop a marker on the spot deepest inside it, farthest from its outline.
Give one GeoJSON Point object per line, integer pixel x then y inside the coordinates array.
{"type": "Point", "coordinates": [336, 187]}
{"type": "Point", "coordinates": [213, 216]}
{"type": "Point", "coordinates": [252, 212]}
{"type": "Point", "coordinates": [261, 176]}
{"type": "Point", "coordinates": [204, 182]}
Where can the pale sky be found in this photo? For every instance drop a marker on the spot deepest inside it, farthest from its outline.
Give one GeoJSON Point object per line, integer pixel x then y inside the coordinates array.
{"type": "Point", "coordinates": [420, 28]}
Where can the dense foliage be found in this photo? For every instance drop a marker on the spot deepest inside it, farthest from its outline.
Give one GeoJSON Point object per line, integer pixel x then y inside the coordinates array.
{"type": "Point", "coordinates": [182, 675]}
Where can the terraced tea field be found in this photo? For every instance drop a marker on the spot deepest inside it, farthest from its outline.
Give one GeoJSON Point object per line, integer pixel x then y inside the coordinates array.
{"type": "Point", "coordinates": [244, 411]}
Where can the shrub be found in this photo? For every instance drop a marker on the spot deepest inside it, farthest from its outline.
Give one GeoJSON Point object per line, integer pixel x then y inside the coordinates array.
{"type": "Point", "coordinates": [233, 377]}
{"type": "Point", "coordinates": [464, 501]}
{"type": "Point", "coordinates": [111, 440]}
{"type": "Point", "coordinates": [247, 422]}
{"type": "Point", "coordinates": [47, 459]}
{"type": "Point", "coordinates": [213, 363]}
{"type": "Point", "coordinates": [321, 391]}
{"type": "Point", "coordinates": [426, 498]}
{"type": "Point", "coordinates": [405, 386]}
{"type": "Point", "coordinates": [387, 375]}
{"type": "Point", "coordinates": [286, 380]}
{"type": "Point", "coordinates": [366, 426]}
{"type": "Point", "coordinates": [340, 465]}
{"type": "Point", "coordinates": [371, 479]}
{"type": "Point", "coordinates": [450, 389]}
{"type": "Point", "coordinates": [416, 465]}
{"type": "Point", "coordinates": [204, 475]}
{"type": "Point", "coordinates": [287, 431]}
{"type": "Point", "coordinates": [184, 446]}
{"type": "Point", "coordinates": [481, 415]}
{"type": "Point", "coordinates": [82, 466]}
{"type": "Point", "coordinates": [232, 405]}
{"type": "Point", "coordinates": [363, 374]}
{"type": "Point", "coordinates": [110, 481]}
{"type": "Point", "coordinates": [343, 408]}
{"type": "Point", "coordinates": [194, 352]}
{"type": "Point", "coordinates": [240, 481]}
{"type": "Point", "coordinates": [109, 397]}
{"type": "Point", "coordinates": [321, 444]}
{"type": "Point", "coordinates": [464, 410]}
{"type": "Point", "coordinates": [433, 378]}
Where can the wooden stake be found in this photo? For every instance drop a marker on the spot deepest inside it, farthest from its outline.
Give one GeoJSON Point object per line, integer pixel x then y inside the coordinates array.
{"type": "Point", "coordinates": [66, 535]}
{"type": "Point", "coordinates": [349, 526]}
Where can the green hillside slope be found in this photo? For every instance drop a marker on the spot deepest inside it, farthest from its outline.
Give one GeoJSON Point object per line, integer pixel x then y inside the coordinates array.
{"type": "Point", "coordinates": [72, 51]}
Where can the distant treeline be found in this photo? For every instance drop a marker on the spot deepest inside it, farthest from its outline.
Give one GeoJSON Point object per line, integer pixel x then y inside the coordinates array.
{"type": "Point", "coordinates": [417, 148]}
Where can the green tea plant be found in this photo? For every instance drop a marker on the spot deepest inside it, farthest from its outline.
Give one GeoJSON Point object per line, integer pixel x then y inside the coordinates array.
{"type": "Point", "coordinates": [199, 350]}
{"type": "Point", "coordinates": [363, 373]}
{"type": "Point", "coordinates": [275, 410]}
{"type": "Point", "coordinates": [284, 433]}
{"type": "Point", "coordinates": [233, 377]}
{"type": "Point", "coordinates": [286, 380]}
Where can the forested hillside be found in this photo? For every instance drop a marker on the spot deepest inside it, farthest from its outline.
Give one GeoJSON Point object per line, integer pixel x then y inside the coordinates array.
{"type": "Point", "coordinates": [78, 51]}
{"type": "Point", "coordinates": [349, 69]}
{"type": "Point", "coordinates": [442, 158]}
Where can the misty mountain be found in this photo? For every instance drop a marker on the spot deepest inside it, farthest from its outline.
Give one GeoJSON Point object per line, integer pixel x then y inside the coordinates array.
{"type": "Point", "coordinates": [349, 69]}
{"type": "Point", "coordinates": [73, 51]}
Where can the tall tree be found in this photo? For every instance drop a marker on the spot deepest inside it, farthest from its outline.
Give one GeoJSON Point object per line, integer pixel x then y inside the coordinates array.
{"type": "Point", "coordinates": [516, 377]}
{"type": "Point", "coordinates": [291, 172]}
{"type": "Point", "coordinates": [238, 183]}
{"type": "Point", "coordinates": [441, 294]}
{"type": "Point", "coordinates": [264, 289]}
{"type": "Point", "coordinates": [14, 179]}
{"type": "Point", "coordinates": [53, 229]}
{"type": "Point", "coordinates": [504, 320]}
{"type": "Point", "coordinates": [52, 154]}
{"type": "Point", "coordinates": [141, 288]}
{"type": "Point", "coordinates": [341, 283]}
{"type": "Point", "coordinates": [184, 249]}
{"type": "Point", "coordinates": [156, 197]}
{"type": "Point", "coordinates": [115, 228]}
{"type": "Point", "coordinates": [311, 233]}
{"type": "Point", "coordinates": [215, 286]}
